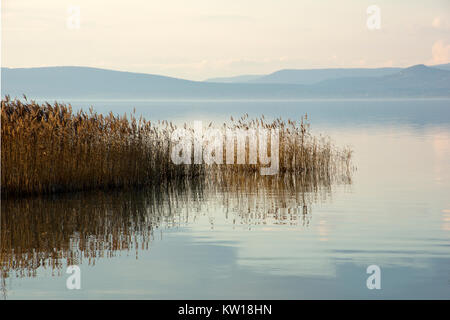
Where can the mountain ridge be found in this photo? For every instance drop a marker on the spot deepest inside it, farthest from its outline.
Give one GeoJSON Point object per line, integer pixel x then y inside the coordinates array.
{"type": "Point", "coordinates": [310, 76]}
{"type": "Point", "coordinates": [87, 82]}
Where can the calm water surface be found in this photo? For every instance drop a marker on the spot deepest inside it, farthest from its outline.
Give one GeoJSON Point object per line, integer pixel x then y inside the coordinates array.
{"type": "Point", "coordinates": [262, 238]}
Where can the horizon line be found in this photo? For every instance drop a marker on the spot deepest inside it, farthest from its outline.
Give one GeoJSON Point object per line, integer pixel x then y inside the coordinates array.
{"type": "Point", "coordinates": [218, 77]}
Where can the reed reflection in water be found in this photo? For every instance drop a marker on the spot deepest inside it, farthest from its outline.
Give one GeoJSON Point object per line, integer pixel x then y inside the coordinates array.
{"type": "Point", "coordinates": [54, 231]}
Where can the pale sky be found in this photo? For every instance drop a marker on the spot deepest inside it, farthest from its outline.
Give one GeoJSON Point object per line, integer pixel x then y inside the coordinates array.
{"type": "Point", "coordinates": [199, 39]}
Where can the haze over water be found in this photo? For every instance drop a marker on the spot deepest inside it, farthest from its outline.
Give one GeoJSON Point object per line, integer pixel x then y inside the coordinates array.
{"type": "Point", "coordinates": [258, 239]}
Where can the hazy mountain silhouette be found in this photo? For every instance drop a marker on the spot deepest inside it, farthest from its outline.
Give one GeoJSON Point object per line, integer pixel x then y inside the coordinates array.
{"type": "Point", "coordinates": [85, 82]}
{"type": "Point", "coordinates": [306, 76]}
{"type": "Point", "coordinates": [67, 81]}
{"type": "Point", "coordinates": [311, 76]}
{"type": "Point", "coordinates": [442, 66]}
{"type": "Point", "coordinates": [420, 80]}
{"type": "Point", "coordinates": [88, 83]}
{"type": "Point", "coordinates": [236, 79]}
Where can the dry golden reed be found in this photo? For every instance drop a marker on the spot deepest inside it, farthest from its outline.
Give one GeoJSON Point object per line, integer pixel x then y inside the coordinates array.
{"type": "Point", "coordinates": [48, 148]}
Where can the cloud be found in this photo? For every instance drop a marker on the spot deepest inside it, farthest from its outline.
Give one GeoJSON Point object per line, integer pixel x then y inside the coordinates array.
{"type": "Point", "coordinates": [440, 52]}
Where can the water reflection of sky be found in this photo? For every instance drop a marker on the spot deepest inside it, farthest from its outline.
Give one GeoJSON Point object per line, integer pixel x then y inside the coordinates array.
{"type": "Point", "coordinates": [395, 214]}
{"type": "Point", "coordinates": [331, 113]}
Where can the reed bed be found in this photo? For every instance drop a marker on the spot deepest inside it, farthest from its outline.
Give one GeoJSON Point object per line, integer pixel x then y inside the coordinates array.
{"type": "Point", "coordinates": [49, 148]}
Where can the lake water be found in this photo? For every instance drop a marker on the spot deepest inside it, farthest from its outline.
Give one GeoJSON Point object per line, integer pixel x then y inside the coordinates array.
{"type": "Point", "coordinates": [255, 240]}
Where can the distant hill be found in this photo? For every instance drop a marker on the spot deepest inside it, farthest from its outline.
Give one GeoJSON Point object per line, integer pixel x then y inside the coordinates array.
{"type": "Point", "coordinates": [311, 76]}
{"type": "Point", "coordinates": [67, 81]}
{"type": "Point", "coordinates": [236, 79]}
{"type": "Point", "coordinates": [86, 83]}
{"type": "Point", "coordinates": [307, 76]}
{"type": "Point", "coordinates": [93, 83]}
{"type": "Point", "coordinates": [442, 66]}
{"type": "Point", "coordinates": [419, 80]}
